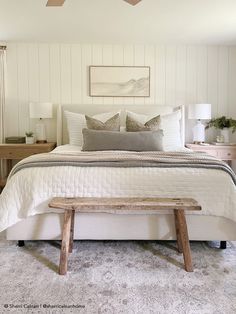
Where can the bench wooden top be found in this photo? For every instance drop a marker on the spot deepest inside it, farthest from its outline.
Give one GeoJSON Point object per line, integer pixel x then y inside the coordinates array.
{"type": "Point", "coordinates": [116, 204]}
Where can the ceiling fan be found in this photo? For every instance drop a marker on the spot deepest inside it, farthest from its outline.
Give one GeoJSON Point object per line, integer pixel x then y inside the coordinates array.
{"type": "Point", "coordinates": [59, 3]}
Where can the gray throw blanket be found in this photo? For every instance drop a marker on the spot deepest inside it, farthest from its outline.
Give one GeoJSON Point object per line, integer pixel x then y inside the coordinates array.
{"type": "Point", "coordinates": [125, 159]}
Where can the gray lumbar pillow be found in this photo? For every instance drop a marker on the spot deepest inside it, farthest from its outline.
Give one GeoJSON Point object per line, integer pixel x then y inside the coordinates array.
{"type": "Point", "coordinates": [132, 141]}
{"type": "Point", "coordinates": [112, 124]}
{"type": "Point", "coordinates": [133, 125]}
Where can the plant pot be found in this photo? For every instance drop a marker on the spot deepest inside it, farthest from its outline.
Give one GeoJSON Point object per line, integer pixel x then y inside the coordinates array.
{"type": "Point", "coordinates": [225, 133]}
{"type": "Point", "coordinates": [29, 140]}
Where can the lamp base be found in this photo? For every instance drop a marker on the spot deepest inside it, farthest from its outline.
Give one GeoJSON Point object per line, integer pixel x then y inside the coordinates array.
{"type": "Point", "coordinates": [41, 142]}
{"type": "Point", "coordinates": [40, 132]}
{"type": "Point", "coordinates": [199, 132]}
{"type": "Point", "coordinates": [198, 142]}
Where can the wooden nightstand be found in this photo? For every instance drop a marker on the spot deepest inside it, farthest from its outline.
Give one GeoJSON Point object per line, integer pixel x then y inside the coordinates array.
{"type": "Point", "coordinates": [224, 152]}
{"type": "Point", "coordinates": [11, 152]}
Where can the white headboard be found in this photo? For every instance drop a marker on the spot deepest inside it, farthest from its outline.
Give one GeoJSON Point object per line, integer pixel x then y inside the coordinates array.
{"type": "Point", "coordinates": [62, 136]}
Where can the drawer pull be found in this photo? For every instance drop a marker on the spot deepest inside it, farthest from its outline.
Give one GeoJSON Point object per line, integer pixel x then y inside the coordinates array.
{"type": "Point", "coordinates": [229, 154]}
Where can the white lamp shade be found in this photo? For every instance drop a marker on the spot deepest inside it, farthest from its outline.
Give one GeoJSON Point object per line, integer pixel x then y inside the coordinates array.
{"type": "Point", "coordinates": [199, 111]}
{"type": "Point", "coordinates": [41, 110]}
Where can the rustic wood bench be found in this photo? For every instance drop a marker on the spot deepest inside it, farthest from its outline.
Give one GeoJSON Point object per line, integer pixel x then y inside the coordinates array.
{"type": "Point", "coordinates": [124, 205]}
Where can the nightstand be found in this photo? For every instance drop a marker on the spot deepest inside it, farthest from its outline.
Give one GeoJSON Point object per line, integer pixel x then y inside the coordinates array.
{"type": "Point", "coordinates": [11, 152]}
{"type": "Point", "coordinates": [223, 152]}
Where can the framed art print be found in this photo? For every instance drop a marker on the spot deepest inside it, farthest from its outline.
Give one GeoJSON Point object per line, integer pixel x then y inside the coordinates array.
{"type": "Point", "coordinates": [119, 81]}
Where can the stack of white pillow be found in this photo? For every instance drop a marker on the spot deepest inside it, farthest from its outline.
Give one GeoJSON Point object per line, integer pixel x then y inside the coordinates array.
{"type": "Point", "coordinates": [170, 124]}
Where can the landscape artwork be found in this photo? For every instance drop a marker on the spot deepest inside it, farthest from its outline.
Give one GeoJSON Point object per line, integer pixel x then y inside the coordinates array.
{"type": "Point", "coordinates": [119, 81]}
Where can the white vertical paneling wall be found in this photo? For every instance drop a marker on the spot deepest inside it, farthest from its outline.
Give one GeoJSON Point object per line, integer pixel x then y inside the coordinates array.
{"type": "Point", "coordinates": [59, 73]}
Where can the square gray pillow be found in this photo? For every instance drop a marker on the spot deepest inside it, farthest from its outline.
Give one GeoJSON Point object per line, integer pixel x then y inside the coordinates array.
{"type": "Point", "coordinates": [112, 124]}
{"type": "Point", "coordinates": [131, 141]}
{"type": "Point", "coordinates": [133, 125]}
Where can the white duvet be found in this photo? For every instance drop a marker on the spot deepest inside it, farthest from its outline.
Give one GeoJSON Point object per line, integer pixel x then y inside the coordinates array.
{"type": "Point", "coordinates": [28, 192]}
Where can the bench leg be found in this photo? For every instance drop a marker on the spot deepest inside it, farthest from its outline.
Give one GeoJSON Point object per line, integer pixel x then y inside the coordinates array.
{"type": "Point", "coordinates": [183, 232]}
{"type": "Point", "coordinates": [65, 242]}
{"type": "Point", "coordinates": [179, 244]}
{"type": "Point", "coordinates": [72, 231]}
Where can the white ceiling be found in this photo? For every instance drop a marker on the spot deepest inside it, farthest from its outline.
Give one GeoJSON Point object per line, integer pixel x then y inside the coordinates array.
{"type": "Point", "coordinates": [115, 21]}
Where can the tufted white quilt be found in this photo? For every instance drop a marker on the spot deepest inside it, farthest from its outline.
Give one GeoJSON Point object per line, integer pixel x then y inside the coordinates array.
{"type": "Point", "coordinates": [28, 192]}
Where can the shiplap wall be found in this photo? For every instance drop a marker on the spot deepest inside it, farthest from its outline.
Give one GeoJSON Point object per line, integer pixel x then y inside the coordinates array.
{"type": "Point", "coordinates": [59, 73]}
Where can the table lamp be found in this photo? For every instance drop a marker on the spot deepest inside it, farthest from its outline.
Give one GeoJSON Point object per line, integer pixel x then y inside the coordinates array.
{"type": "Point", "coordinates": [40, 110]}
{"type": "Point", "coordinates": [199, 112]}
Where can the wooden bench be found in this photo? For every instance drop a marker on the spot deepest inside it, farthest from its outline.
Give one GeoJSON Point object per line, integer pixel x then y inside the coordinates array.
{"type": "Point", "coordinates": [124, 205]}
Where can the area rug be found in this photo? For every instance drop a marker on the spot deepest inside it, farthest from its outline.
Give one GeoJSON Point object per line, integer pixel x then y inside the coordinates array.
{"type": "Point", "coordinates": [117, 277]}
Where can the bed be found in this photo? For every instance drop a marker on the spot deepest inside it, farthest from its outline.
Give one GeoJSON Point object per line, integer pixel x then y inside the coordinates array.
{"type": "Point", "coordinates": [30, 190]}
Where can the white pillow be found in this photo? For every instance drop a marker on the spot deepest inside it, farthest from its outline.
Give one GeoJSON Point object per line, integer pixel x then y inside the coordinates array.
{"type": "Point", "coordinates": [170, 124]}
{"type": "Point", "coordinates": [76, 122]}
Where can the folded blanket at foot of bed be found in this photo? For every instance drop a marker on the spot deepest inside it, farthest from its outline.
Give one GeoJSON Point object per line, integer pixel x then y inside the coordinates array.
{"type": "Point", "coordinates": [125, 159]}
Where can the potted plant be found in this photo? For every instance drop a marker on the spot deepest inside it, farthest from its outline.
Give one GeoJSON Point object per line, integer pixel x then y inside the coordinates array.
{"type": "Point", "coordinates": [223, 124]}
{"type": "Point", "coordinates": [29, 137]}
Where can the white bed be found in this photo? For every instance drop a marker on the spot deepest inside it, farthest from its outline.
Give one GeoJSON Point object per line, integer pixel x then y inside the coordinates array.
{"type": "Point", "coordinates": [29, 192]}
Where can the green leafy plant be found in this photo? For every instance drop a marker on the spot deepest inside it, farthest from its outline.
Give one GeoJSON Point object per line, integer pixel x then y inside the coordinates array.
{"type": "Point", "coordinates": [221, 123]}
{"type": "Point", "coordinates": [29, 134]}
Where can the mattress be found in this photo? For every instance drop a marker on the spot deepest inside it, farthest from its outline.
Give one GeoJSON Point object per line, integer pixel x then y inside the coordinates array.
{"type": "Point", "coordinates": [28, 192]}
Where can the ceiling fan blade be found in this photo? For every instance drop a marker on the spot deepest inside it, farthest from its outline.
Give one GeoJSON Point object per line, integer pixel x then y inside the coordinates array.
{"type": "Point", "coordinates": [132, 2]}
{"type": "Point", "coordinates": [55, 3]}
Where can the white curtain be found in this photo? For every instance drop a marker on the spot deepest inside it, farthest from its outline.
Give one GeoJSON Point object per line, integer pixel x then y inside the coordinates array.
{"type": "Point", "coordinates": [2, 98]}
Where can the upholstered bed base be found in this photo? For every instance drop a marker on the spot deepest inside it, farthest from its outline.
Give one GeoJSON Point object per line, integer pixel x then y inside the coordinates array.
{"type": "Point", "coordinates": [122, 227]}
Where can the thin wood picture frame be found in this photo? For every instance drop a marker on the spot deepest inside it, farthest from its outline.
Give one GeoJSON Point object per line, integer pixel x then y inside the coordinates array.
{"type": "Point", "coordinates": [119, 81]}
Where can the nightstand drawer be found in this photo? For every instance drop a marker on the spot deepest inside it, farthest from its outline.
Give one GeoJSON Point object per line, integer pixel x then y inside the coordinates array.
{"type": "Point", "coordinates": [20, 151]}
{"type": "Point", "coordinates": [226, 154]}
{"type": "Point", "coordinates": [211, 152]}
{"type": "Point", "coordinates": [15, 153]}
{"type": "Point", "coordinates": [223, 152]}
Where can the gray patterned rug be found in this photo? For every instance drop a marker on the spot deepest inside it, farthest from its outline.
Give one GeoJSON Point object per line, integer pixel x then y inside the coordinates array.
{"type": "Point", "coordinates": [117, 277]}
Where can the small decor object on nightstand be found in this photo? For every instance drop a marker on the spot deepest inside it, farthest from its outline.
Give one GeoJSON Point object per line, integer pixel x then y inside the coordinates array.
{"type": "Point", "coordinates": [29, 137]}
{"type": "Point", "coordinates": [220, 139]}
{"type": "Point", "coordinates": [199, 112]}
{"type": "Point", "coordinates": [15, 140]}
{"type": "Point", "coordinates": [40, 111]}
{"type": "Point", "coordinates": [224, 125]}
